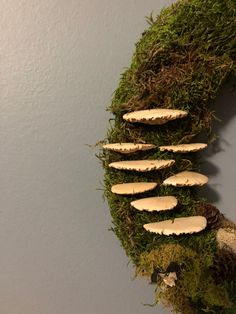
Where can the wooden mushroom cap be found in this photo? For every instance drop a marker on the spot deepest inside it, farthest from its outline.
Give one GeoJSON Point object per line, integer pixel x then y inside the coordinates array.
{"type": "Point", "coordinates": [184, 148]}
{"type": "Point", "coordinates": [154, 116]}
{"type": "Point", "coordinates": [178, 226]}
{"type": "Point", "coordinates": [133, 188]}
{"type": "Point", "coordinates": [142, 165]}
{"type": "Point", "coordinates": [155, 203]}
{"type": "Point", "coordinates": [186, 178]}
{"type": "Point", "coordinates": [126, 148]}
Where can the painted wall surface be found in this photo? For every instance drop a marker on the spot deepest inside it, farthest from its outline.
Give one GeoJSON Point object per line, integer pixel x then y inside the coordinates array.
{"type": "Point", "coordinates": [60, 62]}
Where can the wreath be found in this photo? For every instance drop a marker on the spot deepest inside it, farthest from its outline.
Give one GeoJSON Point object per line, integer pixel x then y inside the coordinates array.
{"type": "Point", "coordinates": [163, 112]}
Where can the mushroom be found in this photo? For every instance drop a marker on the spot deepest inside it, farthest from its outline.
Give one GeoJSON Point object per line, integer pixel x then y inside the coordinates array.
{"type": "Point", "coordinates": [154, 116]}
{"type": "Point", "coordinates": [155, 203]}
{"type": "Point", "coordinates": [133, 188]}
{"type": "Point", "coordinates": [186, 178]}
{"type": "Point", "coordinates": [142, 165]}
{"type": "Point", "coordinates": [183, 148]}
{"type": "Point", "coordinates": [127, 148]}
{"type": "Point", "coordinates": [178, 226]}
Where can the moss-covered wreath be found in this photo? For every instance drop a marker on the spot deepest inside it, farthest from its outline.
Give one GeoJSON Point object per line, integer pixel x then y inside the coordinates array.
{"type": "Point", "coordinates": [181, 63]}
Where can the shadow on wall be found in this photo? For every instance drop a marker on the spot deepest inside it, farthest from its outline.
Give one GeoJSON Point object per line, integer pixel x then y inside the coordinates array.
{"type": "Point", "coordinates": [225, 110]}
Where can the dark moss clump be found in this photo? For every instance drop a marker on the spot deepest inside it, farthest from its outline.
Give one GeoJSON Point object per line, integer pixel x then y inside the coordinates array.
{"type": "Point", "coordinates": [181, 61]}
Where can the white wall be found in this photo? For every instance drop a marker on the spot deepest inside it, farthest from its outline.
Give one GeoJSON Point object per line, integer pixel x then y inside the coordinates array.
{"type": "Point", "coordinates": [60, 61]}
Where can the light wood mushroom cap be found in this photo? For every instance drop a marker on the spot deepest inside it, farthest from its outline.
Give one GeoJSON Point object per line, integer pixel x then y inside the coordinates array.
{"type": "Point", "coordinates": [154, 116]}
{"type": "Point", "coordinates": [142, 165]}
{"type": "Point", "coordinates": [183, 148]}
{"type": "Point", "coordinates": [155, 203]}
{"type": "Point", "coordinates": [133, 188]}
{"type": "Point", "coordinates": [186, 178]}
{"type": "Point", "coordinates": [126, 148]}
{"type": "Point", "coordinates": [178, 225]}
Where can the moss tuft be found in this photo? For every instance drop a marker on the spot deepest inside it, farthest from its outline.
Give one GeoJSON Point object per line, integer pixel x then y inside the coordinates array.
{"type": "Point", "coordinates": [196, 286]}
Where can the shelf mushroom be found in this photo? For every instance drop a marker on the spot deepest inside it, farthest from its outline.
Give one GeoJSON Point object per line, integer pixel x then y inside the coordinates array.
{"type": "Point", "coordinates": [133, 188]}
{"type": "Point", "coordinates": [154, 116]}
{"type": "Point", "coordinates": [178, 226]}
{"type": "Point", "coordinates": [183, 148]}
{"type": "Point", "coordinates": [127, 148]}
{"type": "Point", "coordinates": [186, 178]}
{"type": "Point", "coordinates": [142, 165]}
{"type": "Point", "coordinates": [159, 203]}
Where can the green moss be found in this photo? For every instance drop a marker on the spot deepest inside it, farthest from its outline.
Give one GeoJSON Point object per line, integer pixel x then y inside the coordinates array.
{"type": "Point", "coordinates": [181, 61]}
{"type": "Point", "coordinates": [196, 285]}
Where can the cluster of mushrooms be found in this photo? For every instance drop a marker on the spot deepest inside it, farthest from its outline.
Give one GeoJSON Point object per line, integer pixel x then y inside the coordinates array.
{"type": "Point", "coordinates": [183, 225]}
{"type": "Point", "coordinates": [177, 226]}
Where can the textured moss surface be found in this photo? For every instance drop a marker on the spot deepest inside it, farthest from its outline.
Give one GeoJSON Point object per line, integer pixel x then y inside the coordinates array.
{"type": "Point", "coordinates": [181, 61]}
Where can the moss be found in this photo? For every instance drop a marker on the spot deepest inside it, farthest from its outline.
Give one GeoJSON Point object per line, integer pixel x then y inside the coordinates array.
{"type": "Point", "coordinates": [196, 286]}
{"type": "Point", "coordinates": [181, 61]}
{"type": "Point", "coordinates": [162, 256]}
{"type": "Point", "coordinates": [181, 302]}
